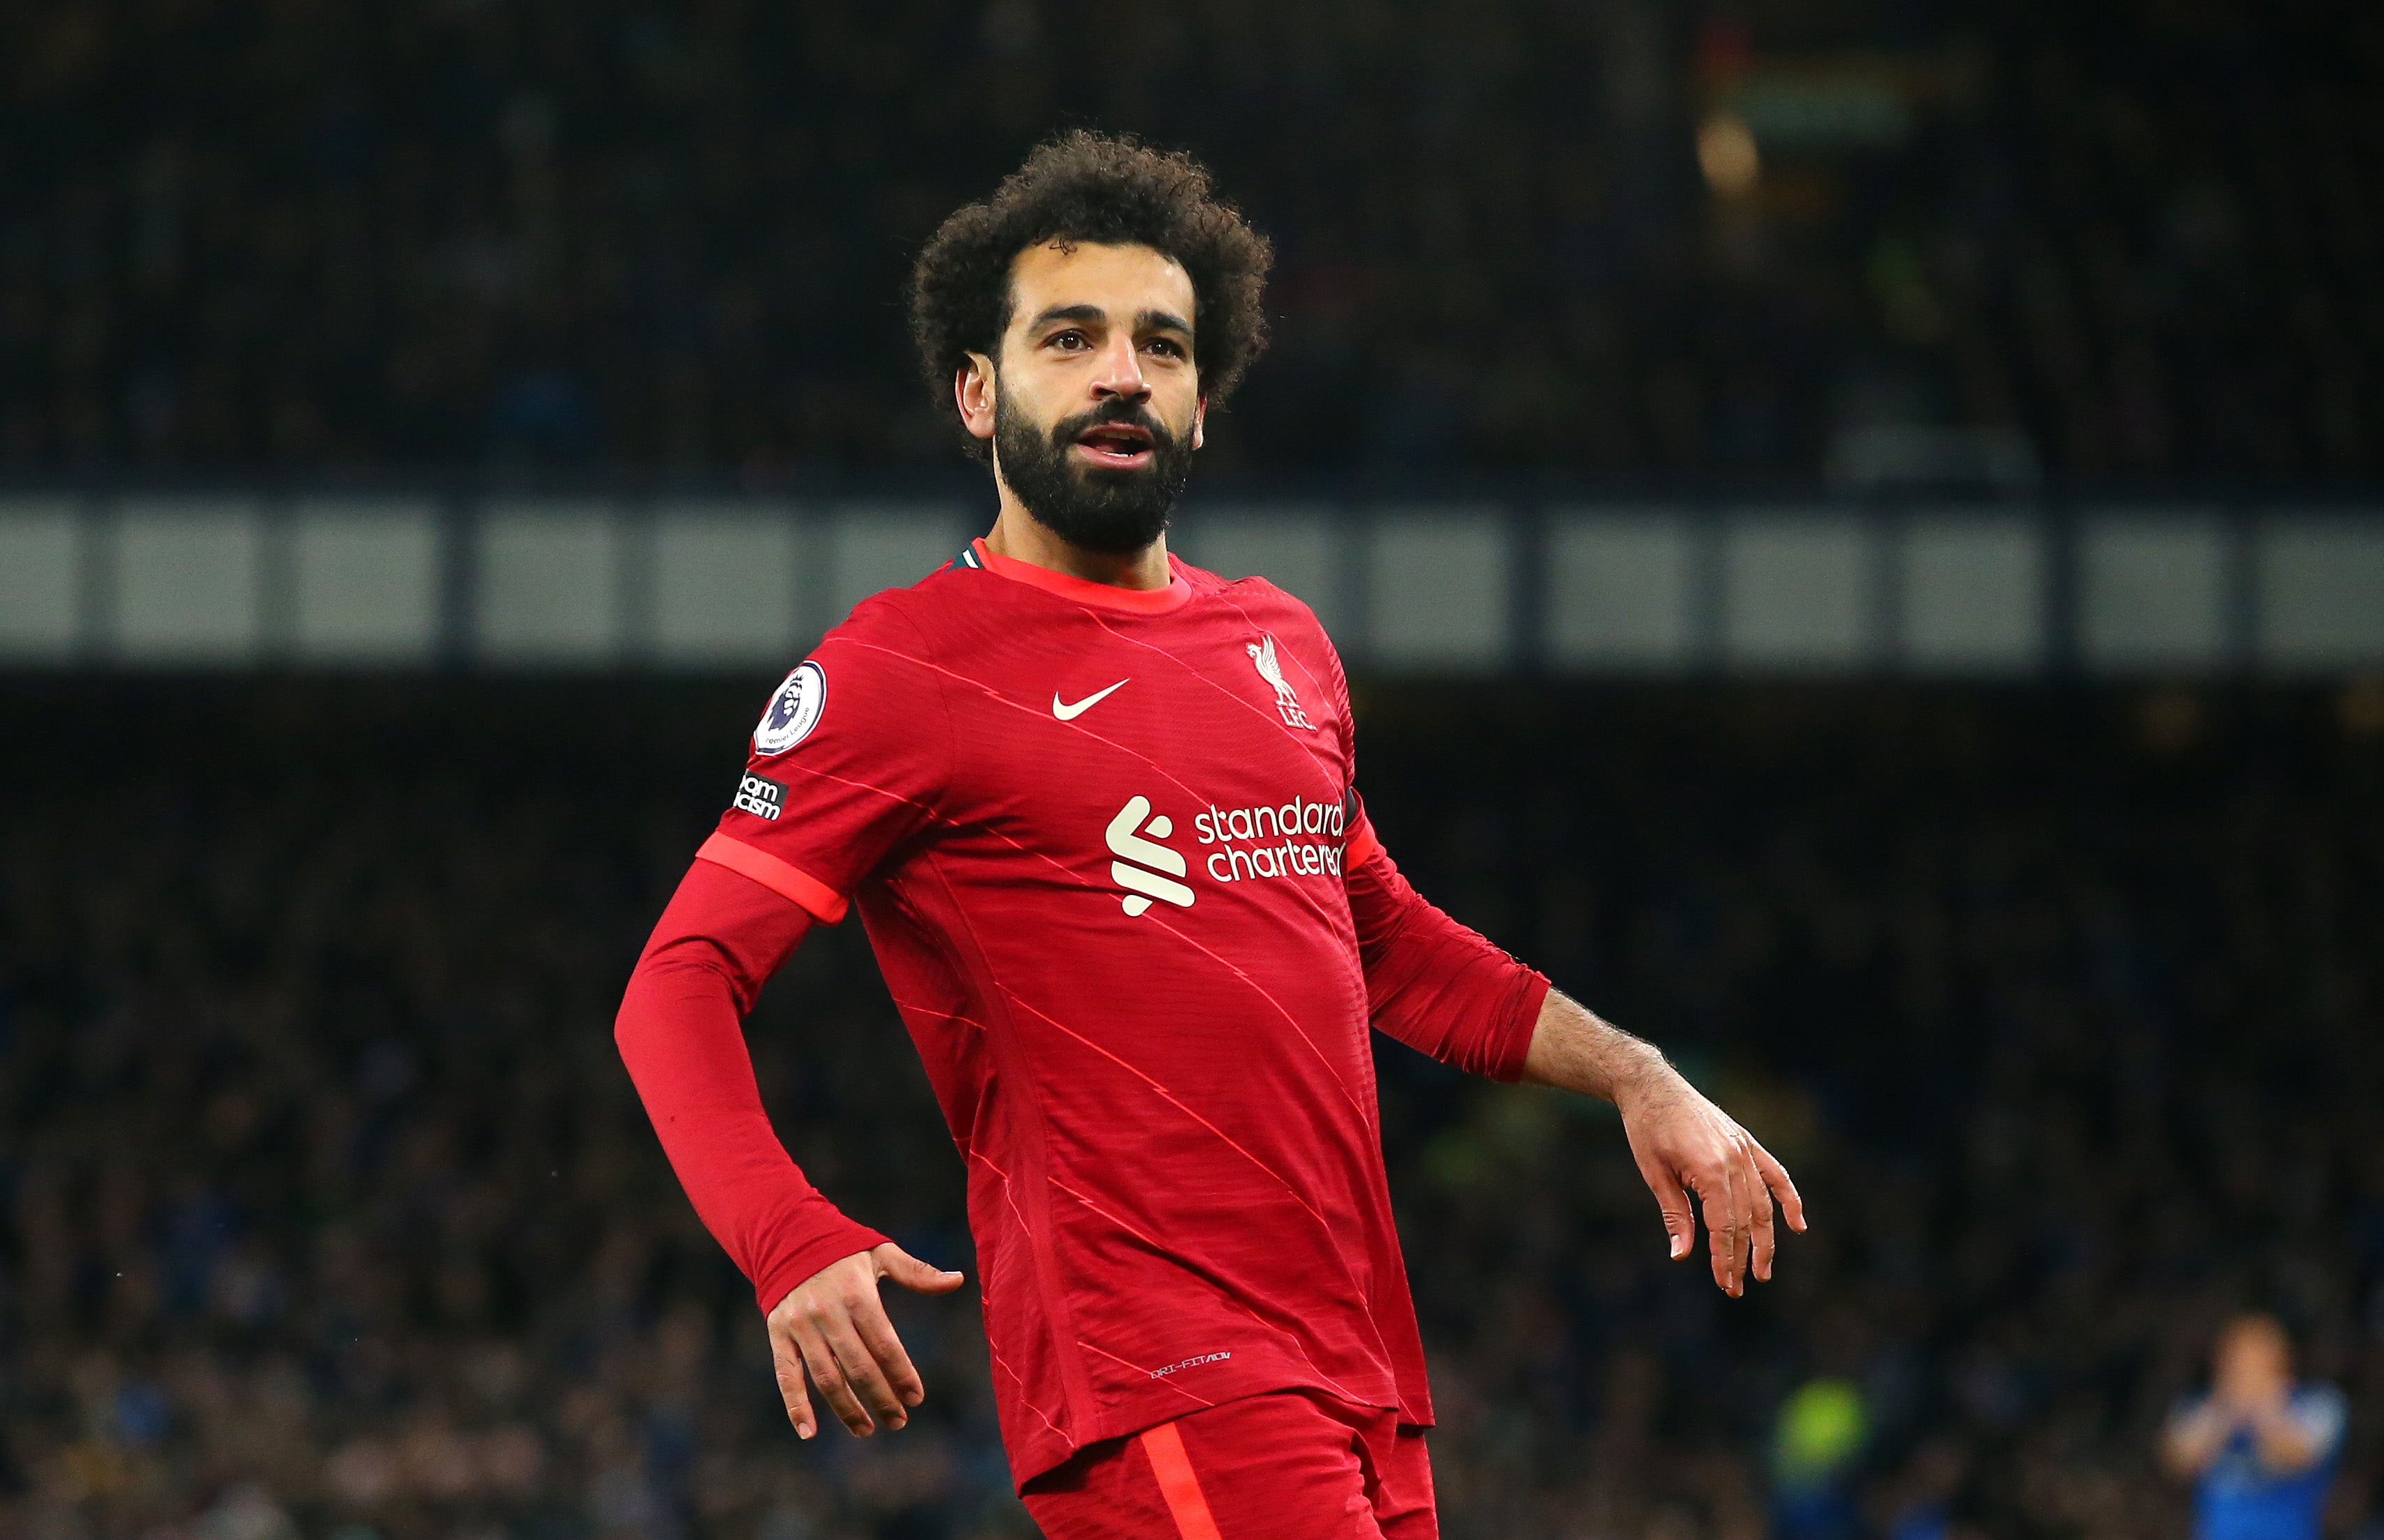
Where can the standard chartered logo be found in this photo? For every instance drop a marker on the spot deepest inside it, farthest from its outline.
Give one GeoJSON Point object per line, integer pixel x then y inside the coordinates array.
{"type": "Point", "coordinates": [1293, 839]}
{"type": "Point", "coordinates": [1126, 842]}
{"type": "Point", "coordinates": [1297, 839]}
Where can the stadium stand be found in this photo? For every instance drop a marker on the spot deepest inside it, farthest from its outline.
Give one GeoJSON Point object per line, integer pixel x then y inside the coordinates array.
{"type": "Point", "coordinates": [330, 1211]}
{"type": "Point", "coordinates": [1961, 422]}
{"type": "Point", "coordinates": [358, 235]}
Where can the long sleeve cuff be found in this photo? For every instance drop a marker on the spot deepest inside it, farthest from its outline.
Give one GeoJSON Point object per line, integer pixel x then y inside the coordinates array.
{"type": "Point", "coordinates": [836, 1238]}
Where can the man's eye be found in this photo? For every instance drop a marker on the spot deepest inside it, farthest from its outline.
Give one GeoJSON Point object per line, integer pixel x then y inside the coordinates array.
{"type": "Point", "coordinates": [1069, 340]}
{"type": "Point", "coordinates": [1167, 347]}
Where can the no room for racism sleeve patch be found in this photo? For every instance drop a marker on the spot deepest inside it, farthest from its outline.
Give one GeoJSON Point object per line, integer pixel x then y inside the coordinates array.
{"type": "Point", "coordinates": [794, 711]}
{"type": "Point", "coordinates": [763, 798]}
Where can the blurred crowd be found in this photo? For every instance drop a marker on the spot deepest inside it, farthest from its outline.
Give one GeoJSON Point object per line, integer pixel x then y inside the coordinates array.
{"type": "Point", "coordinates": [328, 1212]}
{"type": "Point", "coordinates": [353, 234]}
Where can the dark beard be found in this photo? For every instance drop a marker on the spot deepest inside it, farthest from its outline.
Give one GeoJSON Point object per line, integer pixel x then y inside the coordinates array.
{"type": "Point", "coordinates": [1112, 512]}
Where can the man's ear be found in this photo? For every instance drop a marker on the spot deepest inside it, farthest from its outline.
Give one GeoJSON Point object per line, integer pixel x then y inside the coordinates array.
{"type": "Point", "coordinates": [1200, 417]}
{"type": "Point", "coordinates": [975, 387]}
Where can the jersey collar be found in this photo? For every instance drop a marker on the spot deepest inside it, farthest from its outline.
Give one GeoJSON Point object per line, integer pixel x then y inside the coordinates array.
{"type": "Point", "coordinates": [1085, 591]}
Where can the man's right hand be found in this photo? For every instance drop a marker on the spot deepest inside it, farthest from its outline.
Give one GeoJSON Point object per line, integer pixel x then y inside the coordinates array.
{"type": "Point", "coordinates": [834, 1327]}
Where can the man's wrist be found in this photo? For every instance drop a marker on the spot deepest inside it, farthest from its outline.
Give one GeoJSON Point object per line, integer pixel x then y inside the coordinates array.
{"type": "Point", "coordinates": [1641, 1071]}
{"type": "Point", "coordinates": [831, 1243]}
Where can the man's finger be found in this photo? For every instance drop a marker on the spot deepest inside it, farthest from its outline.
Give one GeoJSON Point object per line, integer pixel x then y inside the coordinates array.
{"type": "Point", "coordinates": [883, 1344]}
{"type": "Point", "coordinates": [1743, 1190]}
{"type": "Point", "coordinates": [861, 1371]}
{"type": "Point", "coordinates": [1679, 1221]}
{"type": "Point", "coordinates": [785, 1360]}
{"type": "Point", "coordinates": [1715, 1202]}
{"type": "Point", "coordinates": [911, 1273]}
{"type": "Point", "coordinates": [1759, 1201]}
{"type": "Point", "coordinates": [1775, 1176]}
{"type": "Point", "coordinates": [828, 1375]}
{"type": "Point", "coordinates": [1724, 1234]}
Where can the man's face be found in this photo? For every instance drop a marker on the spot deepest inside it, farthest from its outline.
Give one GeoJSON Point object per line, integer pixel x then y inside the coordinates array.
{"type": "Point", "coordinates": [1097, 405]}
{"type": "Point", "coordinates": [2254, 1365]}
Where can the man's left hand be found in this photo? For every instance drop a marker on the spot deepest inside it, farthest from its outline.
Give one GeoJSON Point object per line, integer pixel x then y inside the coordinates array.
{"type": "Point", "coordinates": [1684, 1144]}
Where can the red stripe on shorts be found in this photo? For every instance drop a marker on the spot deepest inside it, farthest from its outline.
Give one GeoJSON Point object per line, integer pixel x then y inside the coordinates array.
{"type": "Point", "coordinates": [1177, 1484]}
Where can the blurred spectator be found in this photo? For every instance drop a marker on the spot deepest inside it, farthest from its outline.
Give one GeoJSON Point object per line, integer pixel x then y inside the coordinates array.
{"type": "Point", "coordinates": [2262, 1450]}
{"type": "Point", "coordinates": [1920, 1504]}
{"type": "Point", "coordinates": [1816, 1439]}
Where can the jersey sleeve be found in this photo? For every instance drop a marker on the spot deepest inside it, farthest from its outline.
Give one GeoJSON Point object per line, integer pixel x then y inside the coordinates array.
{"type": "Point", "coordinates": [848, 763]}
{"type": "Point", "coordinates": [680, 1036]}
{"type": "Point", "coordinates": [1443, 989]}
{"type": "Point", "coordinates": [1439, 987]}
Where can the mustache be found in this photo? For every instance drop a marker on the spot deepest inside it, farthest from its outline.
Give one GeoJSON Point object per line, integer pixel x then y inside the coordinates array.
{"type": "Point", "coordinates": [1116, 410]}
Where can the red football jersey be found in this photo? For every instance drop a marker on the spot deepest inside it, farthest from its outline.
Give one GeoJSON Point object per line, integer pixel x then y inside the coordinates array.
{"type": "Point", "coordinates": [1096, 836]}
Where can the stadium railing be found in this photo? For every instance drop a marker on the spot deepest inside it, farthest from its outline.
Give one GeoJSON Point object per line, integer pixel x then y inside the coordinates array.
{"type": "Point", "coordinates": [1585, 585]}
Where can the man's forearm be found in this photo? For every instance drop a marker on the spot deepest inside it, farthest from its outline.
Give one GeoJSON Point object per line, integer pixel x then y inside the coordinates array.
{"type": "Point", "coordinates": [681, 1038]}
{"type": "Point", "coordinates": [2194, 1439]}
{"type": "Point", "coordinates": [2285, 1444]}
{"type": "Point", "coordinates": [1572, 1048]}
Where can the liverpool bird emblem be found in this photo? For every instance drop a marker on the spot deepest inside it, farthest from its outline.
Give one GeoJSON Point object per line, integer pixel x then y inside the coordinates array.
{"type": "Point", "coordinates": [1287, 700]}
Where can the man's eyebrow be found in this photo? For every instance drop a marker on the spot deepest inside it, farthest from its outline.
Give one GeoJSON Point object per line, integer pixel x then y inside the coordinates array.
{"type": "Point", "coordinates": [1078, 313]}
{"type": "Point", "coordinates": [1085, 315]}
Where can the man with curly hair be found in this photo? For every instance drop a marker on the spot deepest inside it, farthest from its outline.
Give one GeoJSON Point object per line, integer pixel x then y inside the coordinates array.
{"type": "Point", "coordinates": [1098, 810]}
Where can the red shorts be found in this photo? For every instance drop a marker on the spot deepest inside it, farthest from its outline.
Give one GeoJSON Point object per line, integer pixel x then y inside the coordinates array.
{"type": "Point", "coordinates": [1290, 1464]}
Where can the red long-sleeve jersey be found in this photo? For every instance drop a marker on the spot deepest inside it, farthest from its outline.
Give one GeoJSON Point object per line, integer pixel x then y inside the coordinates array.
{"type": "Point", "coordinates": [1110, 855]}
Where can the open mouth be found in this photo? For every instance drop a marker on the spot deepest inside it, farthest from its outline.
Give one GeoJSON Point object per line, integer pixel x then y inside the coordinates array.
{"type": "Point", "coordinates": [1116, 445]}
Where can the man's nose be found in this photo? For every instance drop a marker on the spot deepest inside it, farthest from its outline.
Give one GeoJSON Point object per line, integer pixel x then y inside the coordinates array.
{"type": "Point", "coordinates": [1121, 371]}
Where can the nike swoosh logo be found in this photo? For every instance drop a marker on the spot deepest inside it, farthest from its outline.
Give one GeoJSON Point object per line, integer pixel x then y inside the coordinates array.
{"type": "Point", "coordinates": [1069, 713]}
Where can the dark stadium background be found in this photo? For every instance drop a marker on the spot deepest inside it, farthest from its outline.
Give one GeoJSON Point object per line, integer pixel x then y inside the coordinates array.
{"type": "Point", "coordinates": [325, 1207]}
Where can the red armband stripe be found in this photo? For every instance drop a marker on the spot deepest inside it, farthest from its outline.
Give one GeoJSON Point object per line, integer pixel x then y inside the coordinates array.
{"type": "Point", "coordinates": [1362, 846]}
{"type": "Point", "coordinates": [780, 877]}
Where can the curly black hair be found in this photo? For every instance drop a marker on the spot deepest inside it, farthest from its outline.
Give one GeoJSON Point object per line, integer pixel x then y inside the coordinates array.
{"type": "Point", "coordinates": [1106, 190]}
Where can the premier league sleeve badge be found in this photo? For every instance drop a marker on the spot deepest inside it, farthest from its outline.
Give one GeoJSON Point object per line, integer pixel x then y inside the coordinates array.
{"type": "Point", "coordinates": [794, 711]}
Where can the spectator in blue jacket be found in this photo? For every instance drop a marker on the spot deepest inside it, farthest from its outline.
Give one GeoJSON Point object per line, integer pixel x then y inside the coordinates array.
{"type": "Point", "coordinates": [2260, 1449]}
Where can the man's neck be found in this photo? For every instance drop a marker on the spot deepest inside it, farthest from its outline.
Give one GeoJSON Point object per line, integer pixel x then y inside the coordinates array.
{"type": "Point", "coordinates": [1018, 535]}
